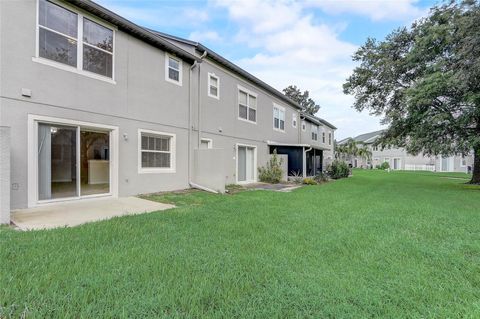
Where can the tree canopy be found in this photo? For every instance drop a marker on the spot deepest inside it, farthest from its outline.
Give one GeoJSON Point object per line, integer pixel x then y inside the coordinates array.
{"type": "Point", "coordinates": [303, 99]}
{"type": "Point", "coordinates": [425, 83]}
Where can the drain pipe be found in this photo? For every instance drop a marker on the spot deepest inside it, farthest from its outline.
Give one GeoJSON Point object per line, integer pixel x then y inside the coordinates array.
{"type": "Point", "coordinates": [192, 184]}
{"type": "Point", "coordinates": [305, 161]}
{"type": "Point", "coordinates": [199, 98]}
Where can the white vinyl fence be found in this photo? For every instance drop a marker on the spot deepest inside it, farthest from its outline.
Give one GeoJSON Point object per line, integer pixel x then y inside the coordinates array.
{"type": "Point", "coordinates": [420, 167]}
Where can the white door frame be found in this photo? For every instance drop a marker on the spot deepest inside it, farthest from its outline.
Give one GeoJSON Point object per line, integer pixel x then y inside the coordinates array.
{"type": "Point", "coordinates": [254, 163]}
{"type": "Point", "coordinates": [32, 156]}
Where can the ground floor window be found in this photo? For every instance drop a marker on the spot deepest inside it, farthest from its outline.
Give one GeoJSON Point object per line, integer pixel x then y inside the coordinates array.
{"type": "Point", "coordinates": [156, 151]}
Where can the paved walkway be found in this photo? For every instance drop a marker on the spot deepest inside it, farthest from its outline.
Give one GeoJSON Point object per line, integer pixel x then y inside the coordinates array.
{"type": "Point", "coordinates": [74, 213]}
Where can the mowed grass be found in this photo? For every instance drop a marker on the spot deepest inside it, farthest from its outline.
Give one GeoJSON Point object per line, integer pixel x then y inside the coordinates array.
{"type": "Point", "coordinates": [394, 245]}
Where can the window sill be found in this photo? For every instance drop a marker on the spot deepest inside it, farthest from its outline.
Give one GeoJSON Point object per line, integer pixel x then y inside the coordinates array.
{"type": "Point", "coordinates": [214, 97]}
{"type": "Point", "coordinates": [179, 83]}
{"type": "Point", "coordinates": [156, 171]}
{"type": "Point", "coordinates": [248, 121]}
{"type": "Point", "coordinates": [72, 69]}
{"type": "Point", "coordinates": [278, 130]}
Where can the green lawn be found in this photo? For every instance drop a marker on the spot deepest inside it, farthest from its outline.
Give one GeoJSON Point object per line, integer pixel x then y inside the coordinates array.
{"type": "Point", "coordinates": [396, 245]}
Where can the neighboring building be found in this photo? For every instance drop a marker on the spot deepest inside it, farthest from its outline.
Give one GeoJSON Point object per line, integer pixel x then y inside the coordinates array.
{"type": "Point", "coordinates": [99, 106]}
{"type": "Point", "coordinates": [399, 159]}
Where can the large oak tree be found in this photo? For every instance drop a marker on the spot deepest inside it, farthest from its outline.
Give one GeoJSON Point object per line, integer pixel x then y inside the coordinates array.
{"type": "Point", "coordinates": [425, 83]}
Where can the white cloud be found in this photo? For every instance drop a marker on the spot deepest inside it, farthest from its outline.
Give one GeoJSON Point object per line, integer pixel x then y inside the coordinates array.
{"type": "Point", "coordinates": [207, 36]}
{"type": "Point", "coordinates": [195, 14]}
{"type": "Point", "coordinates": [294, 49]}
{"type": "Point", "coordinates": [399, 10]}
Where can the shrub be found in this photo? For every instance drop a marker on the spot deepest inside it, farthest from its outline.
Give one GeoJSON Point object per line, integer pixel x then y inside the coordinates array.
{"type": "Point", "coordinates": [338, 169]}
{"type": "Point", "coordinates": [272, 173]}
{"type": "Point", "coordinates": [309, 181]}
{"type": "Point", "coordinates": [383, 166]}
{"type": "Point", "coordinates": [321, 178]}
{"type": "Point", "coordinates": [296, 177]}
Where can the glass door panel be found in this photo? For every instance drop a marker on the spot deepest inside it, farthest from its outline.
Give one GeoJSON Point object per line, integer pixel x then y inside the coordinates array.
{"type": "Point", "coordinates": [57, 158]}
{"type": "Point", "coordinates": [242, 164]}
{"type": "Point", "coordinates": [95, 162]}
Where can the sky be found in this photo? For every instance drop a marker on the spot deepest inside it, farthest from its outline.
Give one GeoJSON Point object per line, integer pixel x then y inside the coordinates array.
{"type": "Point", "coordinates": [308, 43]}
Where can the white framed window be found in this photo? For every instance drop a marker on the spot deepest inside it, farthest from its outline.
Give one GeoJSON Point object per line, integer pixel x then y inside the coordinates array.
{"type": "Point", "coordinates": [173, 69]}
{"type": "Point", "coordinates": [323, 137]}
{"type": "Point", "coordinates": [68, 40]}
{"type": "Point", "coordinates": [206, 143]}
{"type": "Point", "coordinates": [213, 86]}
{"type": "Point", "coordinates": [294, 120]}
{"type": "Point", "coordinates": [463, 161]}
{"type": "Point", "coordinates": [330, 138]}
{"type": "Point", "coordinates": [304, 126]}
{"type": "Point", "coordinates": [156, 152]}
{"type": "Point", "coordinates": [314, 132]}
{"type": "Point", "coordinates": [247, 105]}
{"type": "Point", "coordinates": [278, 118]}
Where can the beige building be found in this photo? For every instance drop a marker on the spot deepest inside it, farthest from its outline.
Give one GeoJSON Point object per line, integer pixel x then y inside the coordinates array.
{"type": "Point", "coordinates": [399, 159]}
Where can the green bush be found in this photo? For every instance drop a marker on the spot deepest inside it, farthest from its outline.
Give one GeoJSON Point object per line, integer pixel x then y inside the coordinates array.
{"type": "Point", "coordinates": [321, 178]}
{"type": "Point", "coordinates": [338, 169]}
{"type": "Point", "coordinates": [383, 166]}
{"type": "Point", "coordinates": [309, 181]}
{"type": "Point", "coordinates": [272, 173]}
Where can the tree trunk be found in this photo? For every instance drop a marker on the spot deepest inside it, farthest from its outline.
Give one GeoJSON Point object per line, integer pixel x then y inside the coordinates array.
{"type": "Point", "coordinates": [476, 166]}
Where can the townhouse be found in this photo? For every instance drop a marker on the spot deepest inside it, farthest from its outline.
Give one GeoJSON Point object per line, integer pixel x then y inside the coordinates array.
{"type": "Point", "coordinates": [93, 105]}
{"type": "Point", "coordinates": [400, 159]}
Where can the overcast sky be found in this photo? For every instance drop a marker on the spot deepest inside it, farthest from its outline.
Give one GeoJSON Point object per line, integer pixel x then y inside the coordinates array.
{"type": "Point", "coordinates": [308, 43]}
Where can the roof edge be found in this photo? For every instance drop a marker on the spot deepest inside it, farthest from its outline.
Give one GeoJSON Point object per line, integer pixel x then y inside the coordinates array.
{"type": "Point", "coordinates": [132, 28]}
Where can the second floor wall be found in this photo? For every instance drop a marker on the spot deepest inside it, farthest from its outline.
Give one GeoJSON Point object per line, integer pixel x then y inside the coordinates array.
{"type": "Point", "coordinates": [135, 87]}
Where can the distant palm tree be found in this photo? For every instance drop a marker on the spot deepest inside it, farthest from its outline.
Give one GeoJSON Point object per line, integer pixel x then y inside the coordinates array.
{"type": "Point", "coordinates": [364, 152]}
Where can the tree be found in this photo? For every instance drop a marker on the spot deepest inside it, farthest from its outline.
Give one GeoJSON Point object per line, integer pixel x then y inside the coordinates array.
{"type": "Point", "coordinates": [425, 82]}
{"type": "Point", "coordinates": [364, 152]}
{"type": "Point", "coordinates": [303, 99]}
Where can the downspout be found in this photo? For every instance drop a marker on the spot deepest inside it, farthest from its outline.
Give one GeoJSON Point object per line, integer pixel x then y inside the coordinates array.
{"type": "Point", "coordinates": [190, 182]}
{"type": "Point", "coordinates": [305, 161]}
{"type": "Point", "coordinates": [199, 99]}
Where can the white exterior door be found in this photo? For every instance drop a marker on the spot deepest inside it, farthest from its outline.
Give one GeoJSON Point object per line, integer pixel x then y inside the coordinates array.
{"type": "Point", "coordinates": [397, 163]}
{"type": "Point", "coordinates": [246, 164]}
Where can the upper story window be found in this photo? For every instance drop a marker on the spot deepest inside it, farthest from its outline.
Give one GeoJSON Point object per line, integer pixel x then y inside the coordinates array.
{"type": "Point", "coordinates": [375, 148]}
{"type": "Point", "coordinates": [86, 46]}
{"type": "Point", "coordinates": [294, 120]}
{"type": "Point", "coordinates": [173, 69]}
{"type": "Point", "coordinates": [314, 132]}
{"type": "Point", "coordinates": [156, 152]}
{"type": "Point", "coordinates": [278, 118]}
{"type": "Point", "coordinates": [247, 105]}
{"type": "Point", "coordinates": [323, 137]}
{"type": "Point", "coordinates": [329, 138]}
{"type": "Point", "coordinates": [304, 126]}
{"type": "Point", "coordinates": [213, 86]}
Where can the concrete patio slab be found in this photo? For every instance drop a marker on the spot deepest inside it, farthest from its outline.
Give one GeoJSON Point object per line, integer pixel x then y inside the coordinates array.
{"type": "Point", "coordinates": [74, 213]}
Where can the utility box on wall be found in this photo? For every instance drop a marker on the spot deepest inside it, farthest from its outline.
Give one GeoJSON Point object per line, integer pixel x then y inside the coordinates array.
{"type": "Point", "coordinates": [4, 175]}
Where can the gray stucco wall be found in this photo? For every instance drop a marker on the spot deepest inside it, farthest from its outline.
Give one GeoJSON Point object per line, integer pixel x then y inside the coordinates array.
{"type": "Point", "coordinates": [137, 98]}
{"type": "Point", "coordinates": [4, 175]}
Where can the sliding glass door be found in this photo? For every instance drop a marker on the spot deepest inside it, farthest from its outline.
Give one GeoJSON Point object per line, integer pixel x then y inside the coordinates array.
{"type": "Point", "coordinates": [72, 161]}
{"type": "Point", "coordinates": [57, 161]}
{"type": "Point", "coordinates": [95, 162]}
